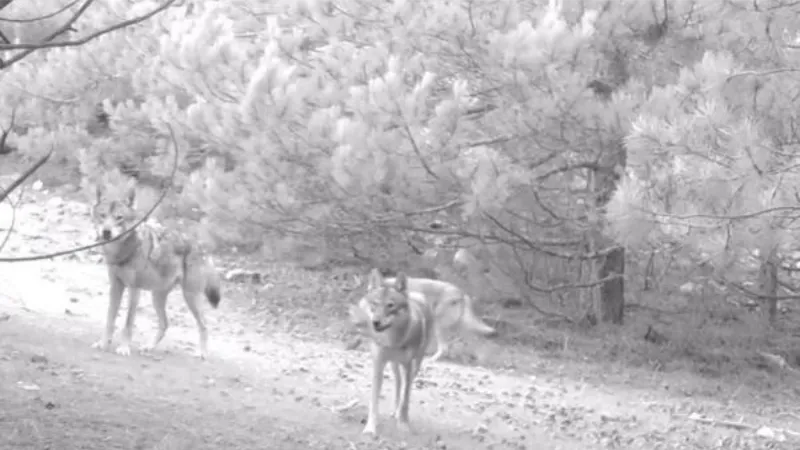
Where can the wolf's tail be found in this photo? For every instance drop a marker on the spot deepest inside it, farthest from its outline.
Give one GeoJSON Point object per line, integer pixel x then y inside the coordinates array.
{"type": "Point", "coordinates": [471, 321]}
{"type": "Point", "coordinates": [212, 290]}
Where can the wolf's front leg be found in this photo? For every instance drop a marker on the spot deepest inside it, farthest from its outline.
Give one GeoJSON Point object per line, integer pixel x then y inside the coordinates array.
{"type": "Point", "coordinates": [114, 299]}
{"type": "Point", "coordinates": [378, 364]}
{"type": "Point", "coordinates": [124, 348]}
{"type": "Point", "coordinates": [401, 413]}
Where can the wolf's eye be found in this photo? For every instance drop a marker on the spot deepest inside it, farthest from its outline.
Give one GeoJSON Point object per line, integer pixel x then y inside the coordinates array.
{"type": "Point", "coordinates": [390, 305]}
{"type": "Point", "coordinates": [119, 217]}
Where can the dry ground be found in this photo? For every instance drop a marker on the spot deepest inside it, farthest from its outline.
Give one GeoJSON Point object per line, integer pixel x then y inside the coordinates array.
{"type": "Point", "coordinates": [279, 378]}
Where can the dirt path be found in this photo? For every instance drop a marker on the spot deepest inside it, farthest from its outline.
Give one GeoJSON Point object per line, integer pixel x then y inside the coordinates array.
{"type": "Point", "coordinates": [254, 388]}
{"type": "Point", "coordinates": [272, 390]}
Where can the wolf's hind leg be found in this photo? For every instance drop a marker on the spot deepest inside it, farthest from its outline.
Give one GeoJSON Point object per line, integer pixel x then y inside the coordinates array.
{"type": "Point", "coordinates": [192, 302]}
{"type": "Point", "coordinates": [160, 305]}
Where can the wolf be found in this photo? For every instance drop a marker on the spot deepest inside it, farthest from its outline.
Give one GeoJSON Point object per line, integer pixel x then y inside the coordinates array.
{"type": "Point", "coordinates": [400, 324]}
{"type": "Point", "coordinates": [150, 258]}
{"type": "Point", "coordinates": [453, 310]}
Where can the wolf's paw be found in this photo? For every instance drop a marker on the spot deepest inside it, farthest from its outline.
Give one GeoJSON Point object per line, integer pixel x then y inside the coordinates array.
{"type": "Point", "coordinates": [102, 344]}
{"type": "Point", "coordinates": [370, 428]}
{"type": "Point", "coordinates": [146, 349]}
{"type": "Point", "coordinates": [124, 350]}
{"type": "Point", "coordinates": [404, 426]}
{"type": "Point", "coordinates": [201, 354]}
{"type": "Point", "coordinates": [438, 355]}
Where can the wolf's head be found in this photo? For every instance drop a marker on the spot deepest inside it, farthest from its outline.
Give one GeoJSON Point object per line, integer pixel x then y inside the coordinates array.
{"type": "Point", "coordinates": [386, 305]}
{"type": "Point", "coordinates": [114, 211]}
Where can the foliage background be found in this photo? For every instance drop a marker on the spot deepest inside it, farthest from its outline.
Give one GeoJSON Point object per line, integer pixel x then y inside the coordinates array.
{"type": "Point", "coordinates": [537, 136]}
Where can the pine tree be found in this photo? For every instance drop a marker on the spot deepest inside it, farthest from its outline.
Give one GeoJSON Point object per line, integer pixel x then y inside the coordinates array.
{"type": "Point", "coordinates": [710, 160]}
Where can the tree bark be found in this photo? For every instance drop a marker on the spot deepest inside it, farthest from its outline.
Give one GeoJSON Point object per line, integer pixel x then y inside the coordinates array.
{"type": "Point", "coordinates": [610, 307]}
{"type": "Point", "coordinates": [612, 292]}
{"type": "Point", "coordinates": [768, 282]}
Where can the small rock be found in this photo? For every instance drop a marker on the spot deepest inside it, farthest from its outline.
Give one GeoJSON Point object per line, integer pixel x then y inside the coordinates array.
{"type": "Point", "coordinates": [769, 433]}
{"type": "Point", "coordinates": [54, 202]}
{"type": "Point", "coordinates": [242, 275]}
{"type": "Point", "coordinates": [28, 386]}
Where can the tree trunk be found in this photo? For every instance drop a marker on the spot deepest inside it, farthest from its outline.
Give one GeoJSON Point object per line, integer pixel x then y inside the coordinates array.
{"type": "Point", "coordinates": [610, 306]}
{"type": "Point", "coordinates": [768, 283]}
{"type": "Point", "coordinates": [612, 292]}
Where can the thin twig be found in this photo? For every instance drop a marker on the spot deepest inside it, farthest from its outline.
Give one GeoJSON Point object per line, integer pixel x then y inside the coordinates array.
{"type": "Point", "coordinates": [738, 425]}
{"type": "Point", "coordinates": [4, 148]}
{"type": "Point", "coordinates": [27, 49]}
{"type": "Point", "coordinates": [161, 198]}
{"type": "Point", "coordinates": [13, 220]}
{"type": "Point", "coordinates": [21, 179]}
{"type": "Point", "coordinates": [722, 423]}
{"type": "Point", "coordinates": [46, 16]}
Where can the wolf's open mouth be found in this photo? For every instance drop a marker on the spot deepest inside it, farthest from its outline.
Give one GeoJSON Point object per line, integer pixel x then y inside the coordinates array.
{"type": "Point", "coordinates": [379, 327]}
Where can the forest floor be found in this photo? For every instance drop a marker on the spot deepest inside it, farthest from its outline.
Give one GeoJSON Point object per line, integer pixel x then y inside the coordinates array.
{"type": "Point", "coordinates": [279, 375]}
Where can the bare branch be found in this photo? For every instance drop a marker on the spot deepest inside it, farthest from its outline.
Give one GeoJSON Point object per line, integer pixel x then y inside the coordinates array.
{"type": "Point", "coordinates": [21, 179]}
{"type": "Point", "coordinates": [566, 286]}
{"type": "Point", "coordinates": [46, 16]}
{"type": "Point", "coordinates": [27, 49]}
{"type": "Point", "coordinates": [4, 149]}
{"type": "Point", "coordinates": [10, 226]}
{"type": "Point", "coordinates": [13, 221]}
{"type": "Point", "coordinates": [762, 73]}
{"type": "Point", "coordinates": [133, 228]}
{"type": "Point", "coordinates": [570, 167]}
{"type": "Point", "coordinates": [488, 142]}
{"type": "Point", "coordinates": [532, 245]}
{"type": "Point", "coordinates": [419, 153]}
{"type": "Point", "coordinates": [753, 294]}
{"type": "Point", "coordinates": [747, 215]}
{"type": "Point", "coordinates": [544, 312]}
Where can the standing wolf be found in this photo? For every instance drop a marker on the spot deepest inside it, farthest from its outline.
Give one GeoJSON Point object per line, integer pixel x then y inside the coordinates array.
{"type": "Point", "coordinates": [154, 259]}
{"type": "Point", "coordinates": [452, 308]}
{"type": "Point", "coordinates": [400, 324]}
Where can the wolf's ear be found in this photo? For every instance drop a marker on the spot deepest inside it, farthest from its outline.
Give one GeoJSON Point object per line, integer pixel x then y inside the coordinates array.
{"type": "Point", "coordinates": [401, 282]}
{"type": "Point", "coordinates": [375, 279]}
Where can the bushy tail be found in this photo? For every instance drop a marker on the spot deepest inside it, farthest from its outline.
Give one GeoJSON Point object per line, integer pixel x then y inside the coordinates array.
{"type": "Point", "coordinates": [471, 320]}
{"type": "Point", "coordinates": [212, 290]}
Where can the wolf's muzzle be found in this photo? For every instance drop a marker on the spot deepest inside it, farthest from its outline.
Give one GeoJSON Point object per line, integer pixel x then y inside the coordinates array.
{"type": "Point", "coordinates": [378, 326]}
